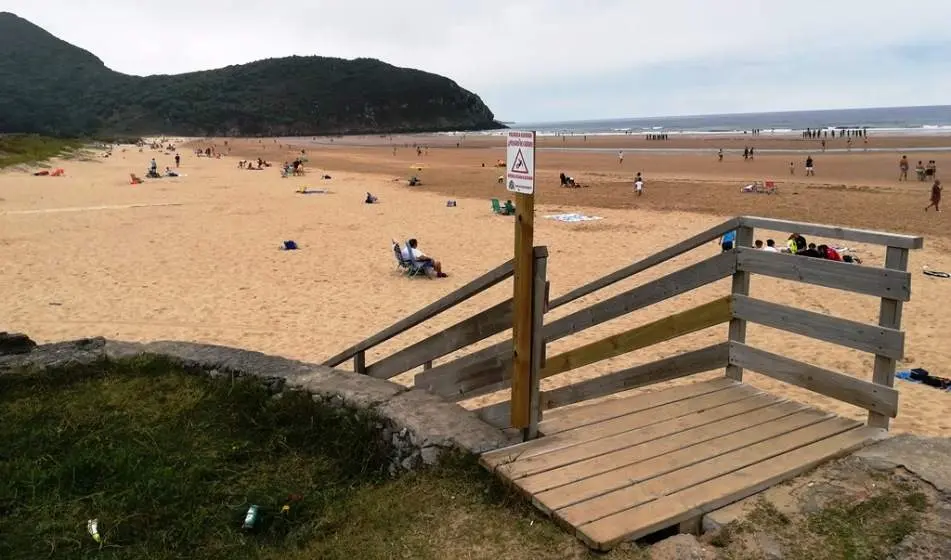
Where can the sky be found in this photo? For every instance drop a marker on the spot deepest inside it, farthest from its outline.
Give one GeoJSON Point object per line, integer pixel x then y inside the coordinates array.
{"type": "Point", "coordinates": [555, 60]}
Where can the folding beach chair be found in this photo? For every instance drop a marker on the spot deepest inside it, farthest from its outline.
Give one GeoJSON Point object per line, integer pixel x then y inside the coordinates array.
{"type": "Point", "coordinates": [407, 266]}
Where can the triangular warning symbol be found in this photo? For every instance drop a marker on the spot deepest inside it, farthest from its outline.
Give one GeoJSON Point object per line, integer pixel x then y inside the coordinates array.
{"type": "Point", "coordinates": [518, 166]}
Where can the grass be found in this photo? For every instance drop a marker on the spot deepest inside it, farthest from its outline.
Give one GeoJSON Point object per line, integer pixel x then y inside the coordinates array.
{"type": "Point", "coordinates": [867, 529]}
{"type": "Point", "coordinates": [169, 462]}
{"type": "Point", "coordinates": [17, 149]}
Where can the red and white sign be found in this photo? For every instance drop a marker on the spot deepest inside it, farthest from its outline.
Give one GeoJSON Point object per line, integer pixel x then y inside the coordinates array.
{"type": "Point", "coordinates": [520, 166]}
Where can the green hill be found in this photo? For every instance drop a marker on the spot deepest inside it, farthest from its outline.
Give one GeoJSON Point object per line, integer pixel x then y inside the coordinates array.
{"type": "Point", "coordinates": [49, 86]}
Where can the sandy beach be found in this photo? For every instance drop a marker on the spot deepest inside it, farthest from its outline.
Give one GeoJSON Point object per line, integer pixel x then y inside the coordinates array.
{"type": "Point", "coordinates": [197, 257]}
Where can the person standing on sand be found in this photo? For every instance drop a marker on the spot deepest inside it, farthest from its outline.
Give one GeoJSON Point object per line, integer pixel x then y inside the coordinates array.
{"type": "Point", "coordinates": [810, 170]}
{"type": "Point", "coordinates": [620, 158]}
{"type": "Point", "coordinates": [792, 168]}
{"type": "Point", "coordinates": [935, 197]}
{"type": "Point", "coordinates": [903, 168]}
{"type": "Point", "coordinates": [720, 155]}
{"type": "Point", "coordinates": [178, 160]}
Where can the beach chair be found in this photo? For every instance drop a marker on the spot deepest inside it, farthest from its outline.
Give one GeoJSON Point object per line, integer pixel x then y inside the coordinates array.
{"type": "Point", "coordinates": [407, 266]}
{"type": "Point", "coordinates": [506, 210]}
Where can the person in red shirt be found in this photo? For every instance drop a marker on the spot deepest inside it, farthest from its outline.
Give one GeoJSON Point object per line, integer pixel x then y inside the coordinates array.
{"type": "Point", "coordinates": [829, 253]}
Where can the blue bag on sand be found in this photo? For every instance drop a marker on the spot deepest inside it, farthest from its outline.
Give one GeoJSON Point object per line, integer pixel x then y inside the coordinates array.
{"type": "Point", "coordinates": [290, 245]}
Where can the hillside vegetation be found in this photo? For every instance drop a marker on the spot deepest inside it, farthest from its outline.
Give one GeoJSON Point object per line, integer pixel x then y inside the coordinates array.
{"type": "Point", "coordinates": [51, 87]}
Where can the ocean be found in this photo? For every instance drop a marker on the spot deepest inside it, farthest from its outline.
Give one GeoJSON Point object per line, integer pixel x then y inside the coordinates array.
{"type": "Point", "coordinates": [934, 119]}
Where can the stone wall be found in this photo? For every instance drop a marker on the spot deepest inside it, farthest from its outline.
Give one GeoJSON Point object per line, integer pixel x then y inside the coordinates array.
{"type": "Point", "coordinates": [418, 426]}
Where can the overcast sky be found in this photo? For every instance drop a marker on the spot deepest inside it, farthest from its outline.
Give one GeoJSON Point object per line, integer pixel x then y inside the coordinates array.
{"type": "Point", "coordinates": [548, 60]}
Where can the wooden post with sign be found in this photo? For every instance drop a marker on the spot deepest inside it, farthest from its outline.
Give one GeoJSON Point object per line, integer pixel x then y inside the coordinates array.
{"type": "Point", "coordinates": [520, 179]}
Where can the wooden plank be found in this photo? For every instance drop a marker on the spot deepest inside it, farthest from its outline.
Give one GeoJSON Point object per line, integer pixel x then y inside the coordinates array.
{"type": "Point", "coordinates": [574, 417]}
{"type": "Point", "coordinates": [522, 320]}
{"type": "Point", "coordinates": [360, 362]}
{"type": "Point", "coordinates": [480, 326]}
{"type": "Point", "coordinates": [835, 232]}
{"type": "Point", "coordinates": [861, 393]}
{"type": "Point", "coordinates": [741, 286]}
{"type": "Point", "coordinates": [676, 476]}
{"type": "Point", "coordinates": [851, 334]}
{"type": "Point", "coordinates": [638, 522]}
{"type": "Point", "coordinates": [879, 282]}
{"type": "Point", "coordinates": [485, 370]}
{"type": "Point", "coordinates": [477, 286]}
{"type": "Point", "coordinates": [558, 468]}
{"type": "Point", "coordinates": [674, 367]}
{"type": "Point", "coordinates": [633, 421]}
{"type": "Point", "coordinates": [646, 476]}
{"type": "Point", "coordinates": [670, 327]}
{"type": "Point", "coordinates": [657, 258]}
{"type": "Point", "coordinates": [889, 316]}
{"type": "Point", "coordinates": [539, 295]}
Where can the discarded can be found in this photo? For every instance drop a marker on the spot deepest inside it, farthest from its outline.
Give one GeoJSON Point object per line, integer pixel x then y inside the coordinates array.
{"type": "Point", "coordinates": [92, 526]}
{"type": "Point", "coordinates": [251, 518]}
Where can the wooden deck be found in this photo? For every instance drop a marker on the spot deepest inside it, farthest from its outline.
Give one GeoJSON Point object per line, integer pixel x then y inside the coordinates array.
{"type": "Point", "coordinates": [625, 468]}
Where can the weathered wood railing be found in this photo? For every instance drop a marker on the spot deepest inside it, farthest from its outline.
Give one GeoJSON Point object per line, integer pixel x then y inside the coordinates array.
{"type": "Point", "coordinates": [489, 369]}
{"type": "Point", "coordinates": [480, 326]}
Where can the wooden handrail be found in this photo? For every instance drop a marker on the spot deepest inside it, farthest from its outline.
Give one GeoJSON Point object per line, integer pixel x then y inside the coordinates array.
{"type": "Point", "coordinates": [851, 334]}
{"type": "Point", "coordinates": [488, 369]}
{"type": "Point", "coordinates": [834, 232]}
{"type": "Point", "coordinates": [649, 262]}
{"type": "Point", "coordinates": [474, 287]}
{"type": "Point", "coordinates": [673, 326]}
{"type": "Point", "coordinates": [468, 331]}
{"type": "Point", "coordinates": [869, 280]}
{"type": "Point", "coordinates": [870, 396]}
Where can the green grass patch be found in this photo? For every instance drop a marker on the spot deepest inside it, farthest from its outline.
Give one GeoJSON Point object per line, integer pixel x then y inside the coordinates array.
{"type": "Point", "coordinates": [17, 149]}
{"type": "Point", "coordinates": [169, 463]}
{"type": "Point", "coordinates": [866, 529]}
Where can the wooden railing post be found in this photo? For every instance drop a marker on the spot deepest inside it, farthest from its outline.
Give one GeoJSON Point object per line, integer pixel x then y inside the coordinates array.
{"type": "Point", "coordinates": [539, 305]}
{"type": "Point", "coordinates": [428, 365]}
{"type": "Point", "coordinates": [741, 286]}
{"type": "Point", "coordinates": [360, 362]}
{"type": "Point", "coordinates": [889, 315]}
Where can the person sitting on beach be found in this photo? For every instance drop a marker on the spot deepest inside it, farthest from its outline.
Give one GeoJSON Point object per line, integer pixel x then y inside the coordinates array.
{"type": "Point", "coordinates": [810, 251]}
{"type": "Point", "coordinates": [370, 199]}
{"type": "Point", "coordinates": [170, 173]}
{"type": "Point", "coordinates": [758, 244]}
{"type": "Point", "coordinates": [828, 253]}
{"type": "Point", "coordinates": [726, 242]}
{"type": "Point", "coordinates": [795, 243]}
{"type": "Point", "coordinates": [770, 246]}
{"type": "Point", "coordinates": [412, 252]}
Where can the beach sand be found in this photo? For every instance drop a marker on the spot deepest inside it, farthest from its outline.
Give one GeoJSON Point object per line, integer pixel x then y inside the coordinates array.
{"type": "Point", "coordinates": [197, 258]}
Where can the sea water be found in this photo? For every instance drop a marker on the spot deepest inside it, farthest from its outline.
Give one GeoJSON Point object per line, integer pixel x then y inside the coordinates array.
{"type": "Point", "coordinates": [935, 119]}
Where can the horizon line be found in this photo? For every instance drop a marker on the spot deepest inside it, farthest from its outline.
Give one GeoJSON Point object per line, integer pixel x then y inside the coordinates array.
{"type": "Point", "coordinates": [703, 115]}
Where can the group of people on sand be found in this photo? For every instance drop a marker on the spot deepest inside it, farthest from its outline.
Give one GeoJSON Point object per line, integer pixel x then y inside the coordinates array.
{"type": "Point", "coordinates": [249, 165]}
{"type": "Point", "coordinates": [795, 244]}
{"type": "Point", "coordinates": [923, 172]}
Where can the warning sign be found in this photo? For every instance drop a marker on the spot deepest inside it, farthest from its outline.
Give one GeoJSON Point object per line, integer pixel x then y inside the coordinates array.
{"type": "Point", "coordinates": [520, 168]}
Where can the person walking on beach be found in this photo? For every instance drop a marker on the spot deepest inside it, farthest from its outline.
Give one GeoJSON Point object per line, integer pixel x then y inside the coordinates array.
{"type": "Point", "coordinates": [638, 185]}
{"type": "Point", "coordinates": [810, 170]}
{"type": "Point", "coordinates": [720, 155]}
{"type": "Point", "coordinates": [620, 158]}
{"type": "Point", "coordinates": [935, 197]}
{"type": "Point", "coordinates": [746, 154]}
{"type": "Point", "coordinates": [178, 160]}
{"type": "Point", "coordinates": [903, 168]}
